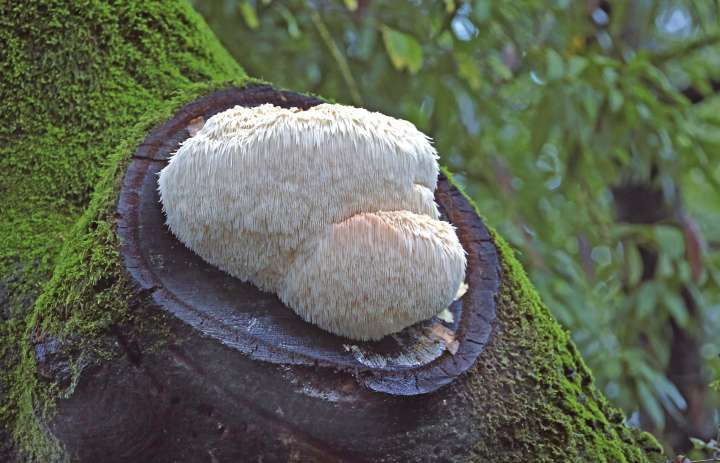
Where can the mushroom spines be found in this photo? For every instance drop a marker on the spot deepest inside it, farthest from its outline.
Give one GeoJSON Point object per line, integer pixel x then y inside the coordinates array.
{"type": "Point", "coordinates": [272, 195]}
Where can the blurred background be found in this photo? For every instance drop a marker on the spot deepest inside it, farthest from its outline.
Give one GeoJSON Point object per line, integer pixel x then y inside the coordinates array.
{"type": "Point", "coordinates": [587, 132]}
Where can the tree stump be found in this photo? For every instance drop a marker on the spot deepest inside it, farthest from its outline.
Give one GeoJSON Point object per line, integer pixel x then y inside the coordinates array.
{"type": "Point", "coordinates": [251, 379]}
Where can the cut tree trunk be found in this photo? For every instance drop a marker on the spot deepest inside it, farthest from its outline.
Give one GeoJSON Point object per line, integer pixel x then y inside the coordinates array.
{"type": "Point", "coordinates": [139, 351]}
{"type": "Point", "coordinates": [253, 379]}
{"type": "Point", "coordinates": [417, 360]}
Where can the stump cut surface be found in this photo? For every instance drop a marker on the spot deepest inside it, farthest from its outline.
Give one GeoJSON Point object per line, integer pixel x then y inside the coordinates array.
{"type": "Point", "coordinates": [417, 360]}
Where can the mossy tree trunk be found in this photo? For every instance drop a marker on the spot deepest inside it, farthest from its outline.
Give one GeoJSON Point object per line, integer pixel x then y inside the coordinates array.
{"type": "Point", "coordinates": [95, 372]}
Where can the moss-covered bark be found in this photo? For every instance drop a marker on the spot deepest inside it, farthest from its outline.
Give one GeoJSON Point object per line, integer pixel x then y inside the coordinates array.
{"type": "Point", "coordinates": [81, 83]}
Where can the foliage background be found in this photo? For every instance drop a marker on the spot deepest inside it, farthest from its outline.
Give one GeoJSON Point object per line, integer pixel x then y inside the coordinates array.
{"type": "Point", "coordinates": [557, 116]}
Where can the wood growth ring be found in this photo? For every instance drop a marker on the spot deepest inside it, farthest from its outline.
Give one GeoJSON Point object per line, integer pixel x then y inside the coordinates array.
{"type": "Point", "coordinates": [418, 360]}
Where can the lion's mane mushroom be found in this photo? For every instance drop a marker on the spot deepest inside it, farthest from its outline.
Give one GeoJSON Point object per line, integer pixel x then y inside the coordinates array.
{"type": "Point", "coordinates": [332, 208]}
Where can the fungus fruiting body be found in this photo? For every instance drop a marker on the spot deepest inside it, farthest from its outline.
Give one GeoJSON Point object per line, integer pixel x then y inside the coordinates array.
{"type": "Point", "coordinates": [331, 208]}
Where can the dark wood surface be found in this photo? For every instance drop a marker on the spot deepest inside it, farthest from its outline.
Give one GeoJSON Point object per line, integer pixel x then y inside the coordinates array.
{"type": "Point", "coordinates": [230, 374]}
{"type": "Point", "coordinates": [258, 324]}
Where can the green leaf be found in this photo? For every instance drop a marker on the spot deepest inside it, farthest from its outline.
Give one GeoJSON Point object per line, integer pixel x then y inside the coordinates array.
{"type": "Point", "coordinates": [249, 15]}
{"type": "Point", "coordinates": [644, 111]}
{"type": "Point", "coordinates": [646, 299]}
{"type": "Point", "coordinates": [481, 10]}
{"type": "Point", "coordinates": [676, 307]}
{"type": "Point", "coordinates": [616, 99]}
{"type": "Point", "coordinates": [634, 265]}
{"type": "Point", "coordinates": [499, 68]}
{"type": "Point", "coordinates": [610, 76]}
{"type": "Point", "coordinates": [292, 25]}
{"type": "Point", "coordinates": [351, 5]}
{"type": "Point", "coordinates": [468, 70]}
{"type": "Point", "coordinates": [698, 444]}
{"type": "Point", "coordinates": [542, 123]}
{"type": "Point", "coordinates": [601, 255]}
{"type": "Point", "coordinates": [576, 65]}
{"type": "Point", "coordinates": [555, 65]}
{"type": "Point", "coordinates": [404, 51]}
{"type": "Point", "coordinates": [671, 241]}
{"type": "Point", "coordinates": [671, 397]}
{"type": "Point", "coordinates": [651, 405]}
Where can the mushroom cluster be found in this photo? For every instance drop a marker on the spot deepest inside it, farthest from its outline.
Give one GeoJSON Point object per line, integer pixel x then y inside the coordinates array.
{"type": "Point", "coordinates": [331, 208]}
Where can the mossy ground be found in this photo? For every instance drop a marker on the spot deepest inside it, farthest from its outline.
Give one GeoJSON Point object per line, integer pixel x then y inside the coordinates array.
{"type": "Point", "coordinates": [82, 83]}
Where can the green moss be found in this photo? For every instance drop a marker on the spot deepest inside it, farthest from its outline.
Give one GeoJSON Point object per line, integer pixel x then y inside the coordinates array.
{"type": "Point", "coordinates": [85, 82]}
{"type": "Point", "coordinates": [81, 85]}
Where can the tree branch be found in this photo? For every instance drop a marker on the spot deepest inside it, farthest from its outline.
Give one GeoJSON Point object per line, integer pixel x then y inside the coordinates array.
{"type": "Point", "coordinates": [338, 57]}
{"type": "Point", "coordinates": [686, 48]}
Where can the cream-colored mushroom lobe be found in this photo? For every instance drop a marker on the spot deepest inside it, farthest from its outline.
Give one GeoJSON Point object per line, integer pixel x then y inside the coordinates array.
{"type": "Point", "coordinates": [331, 208]}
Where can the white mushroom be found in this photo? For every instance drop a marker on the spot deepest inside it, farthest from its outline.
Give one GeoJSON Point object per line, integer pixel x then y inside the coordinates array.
{"type": "Point", "coordinates": [331, 208]}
